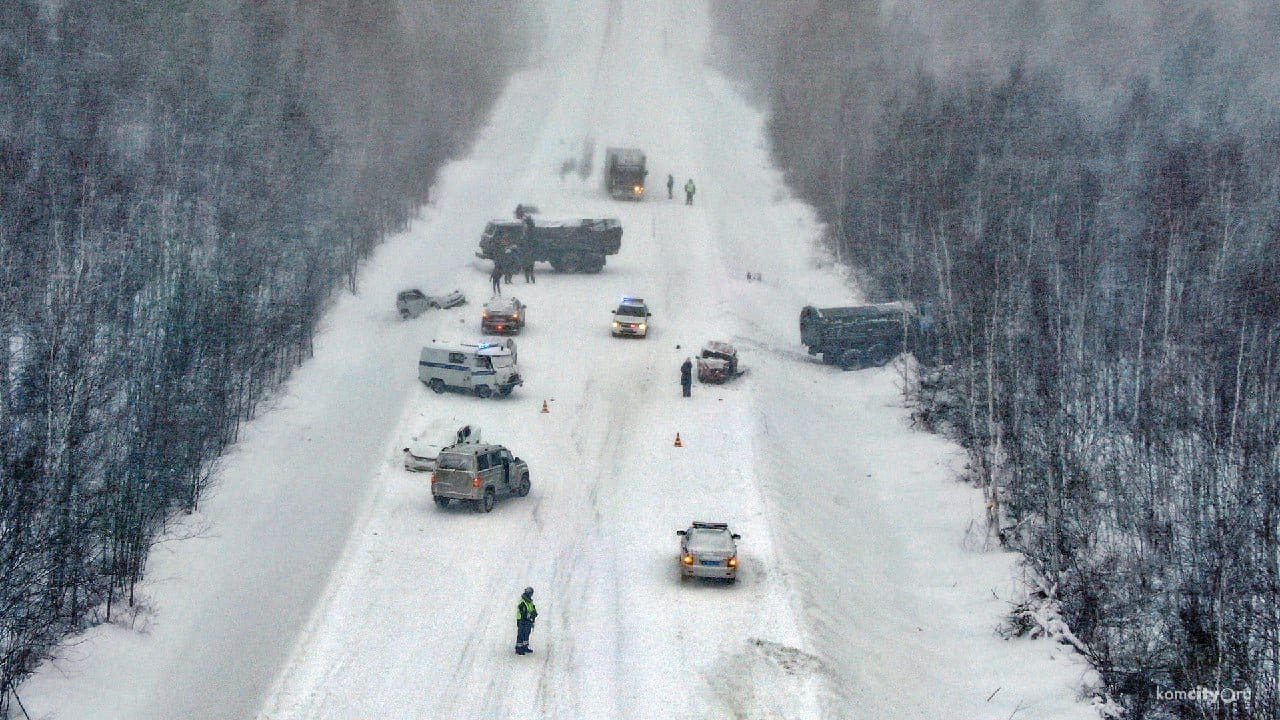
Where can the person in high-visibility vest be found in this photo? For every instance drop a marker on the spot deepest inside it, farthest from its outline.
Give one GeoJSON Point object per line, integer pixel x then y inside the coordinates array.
{"type": "Point", "coordinates": [526, 614]}
{"type": "Point", "coordinates": [688, 192]}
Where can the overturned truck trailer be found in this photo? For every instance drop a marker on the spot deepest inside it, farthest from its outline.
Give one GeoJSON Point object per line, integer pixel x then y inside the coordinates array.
{"type": "Point", "coordinates": [862, 336]}
{"type": "Point", "coordinates": [569, 245]}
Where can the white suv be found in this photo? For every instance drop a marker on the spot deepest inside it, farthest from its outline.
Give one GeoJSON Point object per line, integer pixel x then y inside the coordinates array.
{"type": "Point", "coordinates": [631, 318]}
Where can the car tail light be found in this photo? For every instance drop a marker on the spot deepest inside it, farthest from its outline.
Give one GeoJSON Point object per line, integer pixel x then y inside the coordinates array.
{"type": "Point", "coordinates": [433, 478]}
{"type": "Point", "coordinates": [476, 481]}
{"type": "Point", "coordinates": [687, 559]}
{"type": "Point", "coordinates": [733, 562]}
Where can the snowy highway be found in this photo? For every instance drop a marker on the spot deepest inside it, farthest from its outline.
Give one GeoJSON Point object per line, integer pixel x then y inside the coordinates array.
{"type": "Point", "coordinates": [866, 588]}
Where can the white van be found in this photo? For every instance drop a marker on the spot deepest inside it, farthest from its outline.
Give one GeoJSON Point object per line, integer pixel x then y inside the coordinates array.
{"type": "Point", "coordinates": [482, 369]}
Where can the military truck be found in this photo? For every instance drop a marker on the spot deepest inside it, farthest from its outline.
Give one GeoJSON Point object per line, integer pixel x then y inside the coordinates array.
{"type": "Point", "coordinates": [863, 335]}
{"type": "Point", "coordinates": [478, 473]}
{"type": "Point", "coordinates": [624, 173]}
{"type": "Point", "coordinates": [569, 245]}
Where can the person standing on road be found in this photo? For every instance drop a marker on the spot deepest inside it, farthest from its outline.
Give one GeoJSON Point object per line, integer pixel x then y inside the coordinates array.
{"type": "Point", "coordinates": [686, 377]}
{"type": "Point", "coordinates": [671, 183]}
{"type": "Point", "coordinates": [526, 614]}
{"type": "Point", "coordinates": [528, 271]}
{"type": "Point", "coordinates": [689, 189]}
{"type": "Point", "coordinates": [495, 278]}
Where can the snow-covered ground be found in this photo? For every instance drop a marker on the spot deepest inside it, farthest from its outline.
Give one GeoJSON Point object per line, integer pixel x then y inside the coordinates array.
{"type": "Point", "coordinates": [320, 582]}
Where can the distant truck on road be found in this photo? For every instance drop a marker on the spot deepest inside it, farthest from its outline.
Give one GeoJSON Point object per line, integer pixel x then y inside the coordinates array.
{"type": "Point", "coordinates": [862, 336]}
{"type": "Point", "coordinates": [578, 244]}
{"type": "Point", "coordinates": [624, 173]}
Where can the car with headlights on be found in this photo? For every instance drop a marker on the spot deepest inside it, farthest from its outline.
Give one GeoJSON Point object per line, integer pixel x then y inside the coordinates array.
{"type": "Point", "coordinates": [709, 550]}
{"type": "Point", "coordinates": [631, 318]}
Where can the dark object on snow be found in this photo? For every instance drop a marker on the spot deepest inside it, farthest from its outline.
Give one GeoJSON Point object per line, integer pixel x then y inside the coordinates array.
{"type": "Point", "coordinates": [864, 335]}
{"type": "Point", "coordinates": [578, 244]}
{"type": "Point", "coordinates": [686, 377]}
{"type": "Point", "coordinates": [526, 616]}
{"type": "Point", "coordinates": [718, 363]}
{"type": "Point", "coordinates": [624, 173]}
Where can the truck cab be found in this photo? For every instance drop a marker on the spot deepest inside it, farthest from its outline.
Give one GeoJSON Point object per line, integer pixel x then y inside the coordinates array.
{"type": "Point", "coordinates": [478, 473]}
{"type": "Point", "coordinates": [483, 369]}
{"type": "Point", "coordinates": [624, 173]}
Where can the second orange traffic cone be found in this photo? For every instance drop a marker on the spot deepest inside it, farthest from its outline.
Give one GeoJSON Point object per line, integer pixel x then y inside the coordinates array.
{"type": "Point", "coordinates": [544, 407]}
{"type": "Point", "coordinates": [678, 443]}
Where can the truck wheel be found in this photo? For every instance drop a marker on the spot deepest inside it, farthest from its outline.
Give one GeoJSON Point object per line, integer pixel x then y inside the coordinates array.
{"type": "Point", "coordinates": [593, 263]}
{"type": "Point", "coordinates": [436, 384]}
{"type": "Point", "coordinates": [485, 504]}
{"type": "Point", "coordinates": [850, 360]}
{"type": "Point", "coordinates": [483, 391]}
{"type": "Point", "coordinates": [441, 502]}
{"type": "Point", "coordinates": [879, 355]}
{"type": "Point", "coordinates": [522, 489]}
{"type": "Point", "coordinates": [505, 391]}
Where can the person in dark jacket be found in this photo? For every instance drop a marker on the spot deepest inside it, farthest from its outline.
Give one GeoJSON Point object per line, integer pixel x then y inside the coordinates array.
{"type": "Point", "coordinates": [686, 376]}
{"type": "Point", "coordinates": [495, 277]}
{"type": "Point", "coordinates": [671, 183]}
{"type": "Point", "coordinates": [526, 614]}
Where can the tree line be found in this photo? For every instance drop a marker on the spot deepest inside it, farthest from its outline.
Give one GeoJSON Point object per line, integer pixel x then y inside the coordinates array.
{"type": "Point", "coordinates": [183, 187]}
{"type": "Point", "coordinates": [1104, 271]}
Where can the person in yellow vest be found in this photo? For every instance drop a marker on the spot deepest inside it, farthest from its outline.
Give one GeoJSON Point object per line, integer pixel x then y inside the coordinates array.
{"type": "Point", "coordinates": [688, 192]}
{"type": "Point", "coordinates": [526, 614]}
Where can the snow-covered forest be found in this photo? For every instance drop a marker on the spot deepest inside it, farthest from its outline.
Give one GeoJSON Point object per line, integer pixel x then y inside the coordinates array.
{"type": "Point", "coordinates": [182, 190]}
{"type": "Point", "coordinates": [1087, 194]}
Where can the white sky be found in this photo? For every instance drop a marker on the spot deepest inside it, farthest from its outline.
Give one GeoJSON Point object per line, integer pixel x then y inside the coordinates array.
{"type": "Point", "coordinates": [319, 581]}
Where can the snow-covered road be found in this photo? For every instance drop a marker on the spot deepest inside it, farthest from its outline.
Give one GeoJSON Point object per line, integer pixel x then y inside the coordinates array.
{"type": "Point", "coordinates": [864, 591]}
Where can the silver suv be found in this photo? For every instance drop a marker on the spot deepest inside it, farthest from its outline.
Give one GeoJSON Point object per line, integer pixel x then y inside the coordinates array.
{"type": "Point", "coordinates": [708, 550]}
{"type": "Point", "coordinates": [631, 318]}
{"type": "Point", "coordinates": [478, 473]}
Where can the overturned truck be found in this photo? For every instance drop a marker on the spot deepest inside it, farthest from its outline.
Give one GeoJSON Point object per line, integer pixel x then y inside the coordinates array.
{"type": "Point", "coordinates": [569, 245]}
{"type": "Point", "coordinates": [863, 335]}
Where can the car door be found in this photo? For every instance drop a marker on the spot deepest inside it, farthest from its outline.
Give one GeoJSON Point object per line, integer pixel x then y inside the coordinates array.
{"type": "Point", "coordinates": [502, 458]}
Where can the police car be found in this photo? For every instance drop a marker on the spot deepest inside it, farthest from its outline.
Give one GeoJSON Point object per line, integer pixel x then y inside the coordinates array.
{"type": "Point", "coordinates": [631, 318]}
{"type": "Point", "coordinates": [709, 550]}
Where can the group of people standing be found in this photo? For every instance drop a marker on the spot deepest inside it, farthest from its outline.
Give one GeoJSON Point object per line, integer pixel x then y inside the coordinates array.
{"type": "Point", "coordinates": [504, 266]}
{"type": "Point", "coordinates": [689, 189]}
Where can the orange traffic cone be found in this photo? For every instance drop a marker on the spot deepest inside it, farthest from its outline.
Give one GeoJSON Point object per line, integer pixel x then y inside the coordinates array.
{"type": "Point", "coordinates": [544, 407]}
{"type": "Point", "coordinates": [678, 443]}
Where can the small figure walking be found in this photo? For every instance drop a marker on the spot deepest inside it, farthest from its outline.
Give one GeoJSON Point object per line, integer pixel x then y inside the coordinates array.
{"type": "Point", "coordinates": [508, 262]}
{"type": "Point", "coordinates": [689, 189]}
{"type": "Point", "coordinates": [526, 614]}
{"type": "Point", "coordinates": [528, 271]}
{"type": "Point", "coordinates": [686, 377]}
{"type": "Point", "coordinates": [495, 278]}
{"type": "Point", "coordinates": [671, 183]}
